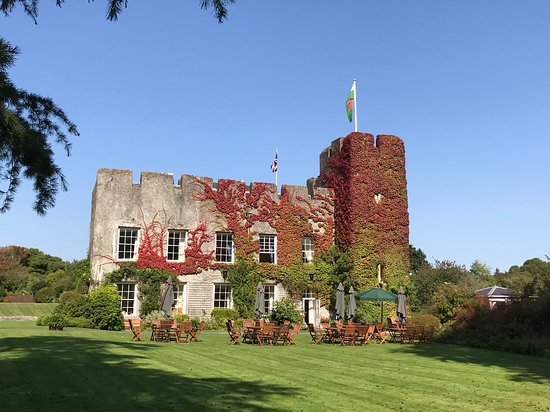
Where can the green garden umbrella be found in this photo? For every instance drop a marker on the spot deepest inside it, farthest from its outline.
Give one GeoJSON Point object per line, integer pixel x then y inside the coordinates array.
{"type": "Point", "coordinates": [377, 295]}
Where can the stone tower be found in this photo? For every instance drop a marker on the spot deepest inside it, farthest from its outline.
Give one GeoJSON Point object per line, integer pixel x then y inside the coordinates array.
{"type": "Point", "coordinates": [371, 216]}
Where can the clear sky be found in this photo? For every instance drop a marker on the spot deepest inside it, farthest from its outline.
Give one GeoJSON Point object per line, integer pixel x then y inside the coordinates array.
{"type": "Point", "coordinates": [465, 84]}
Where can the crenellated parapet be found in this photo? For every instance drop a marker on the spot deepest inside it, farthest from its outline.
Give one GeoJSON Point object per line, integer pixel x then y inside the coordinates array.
{"type": "Point", "coordinates": [371, 210]}
{"type": "Point", "coordinates": [246, 210]}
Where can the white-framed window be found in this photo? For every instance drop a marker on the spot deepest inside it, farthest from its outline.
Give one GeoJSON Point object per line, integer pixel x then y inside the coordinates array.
{"type": "Point", "coordinates": [180, 297]}
{"type": "Point", "coordinates": [127, 244]}
{"type": "Point", "coordinates": [268, 249]}
{"type": "Point", "coordinates": [127, 292]}
{"type": "Point", "coordinates": [269, 298]}
{"type": "Point", "coordinates": [224, 247]}
{"type": "Point", "coordinates": [177, 240]}
{"type": "Point", "coordinates": [307, 249]}
{"type": "Point", "coordinates": [222, 295]}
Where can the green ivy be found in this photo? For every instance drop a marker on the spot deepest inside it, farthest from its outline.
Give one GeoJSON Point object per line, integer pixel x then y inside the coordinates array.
{"type": "Point", "coordinates": [149, 284]}
{"type": "Point", "coordinates": [244, 278]}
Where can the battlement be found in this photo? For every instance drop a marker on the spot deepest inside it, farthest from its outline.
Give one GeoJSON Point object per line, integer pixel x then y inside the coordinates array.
{"type": "Point", "coordinates": [359, 143]}
{"type": "Point", "coordinates": [122, 180]}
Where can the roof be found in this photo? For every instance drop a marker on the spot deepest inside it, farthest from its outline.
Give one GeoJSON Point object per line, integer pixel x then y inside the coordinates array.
{"type": "Point", "coordinates": [494, 291]}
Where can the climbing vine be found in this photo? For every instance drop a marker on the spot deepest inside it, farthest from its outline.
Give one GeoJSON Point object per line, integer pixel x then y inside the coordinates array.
{"type": "Point", "coordinates": [371, 207]}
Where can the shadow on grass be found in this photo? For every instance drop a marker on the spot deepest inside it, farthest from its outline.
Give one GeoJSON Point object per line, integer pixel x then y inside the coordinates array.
{"type": "Point", "coordinates": [70, 373]}
{"type": "Point", "coordinates": [521, 367]}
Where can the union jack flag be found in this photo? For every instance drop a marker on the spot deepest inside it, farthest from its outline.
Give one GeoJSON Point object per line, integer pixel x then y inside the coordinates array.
{"type": "Point", "coordinates": [274, 164]}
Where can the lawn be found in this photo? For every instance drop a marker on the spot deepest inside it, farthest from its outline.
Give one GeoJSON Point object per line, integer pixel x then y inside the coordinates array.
{"type": "Point", "coordinates": [91, 370]}
{"type": "Point", "coordinates": [26, 309]}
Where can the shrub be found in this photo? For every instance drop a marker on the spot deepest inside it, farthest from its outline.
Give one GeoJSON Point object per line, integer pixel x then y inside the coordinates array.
{"type": "Point", "coordinates": [180, 317]}
{"type": "Point", "coordinates": [286, 309]}
{"type": "Point", "coordinates": [425, 319]}
{"type": "Point", "coordinates": [54, 321]}
{"type": "Point", "coordinates": [154, 315]}
{"type": "Point", "coordinates": [73, 304]}
{"type": "Point", "coordinates": [104, 308]}
{"type": "Point", "coordinates": [79, 322]}
{"type": "Point", "coordinates": [221, 315]}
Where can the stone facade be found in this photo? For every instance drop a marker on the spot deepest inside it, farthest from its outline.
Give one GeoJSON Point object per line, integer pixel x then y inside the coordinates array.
{"type": "Point", "coordinates": [339, 198]}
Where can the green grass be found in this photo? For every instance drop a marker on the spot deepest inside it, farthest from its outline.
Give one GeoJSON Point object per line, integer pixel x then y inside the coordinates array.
{"type": "Point", "coordinates": [26, 309]}
{"type": "Point", "coordinates": [91, 370]}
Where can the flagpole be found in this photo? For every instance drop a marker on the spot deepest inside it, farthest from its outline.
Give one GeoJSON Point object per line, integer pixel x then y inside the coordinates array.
{"type": "Point", "coordinates": [355, 101]}
{"type": "Point", "coordinates": [277, 170]}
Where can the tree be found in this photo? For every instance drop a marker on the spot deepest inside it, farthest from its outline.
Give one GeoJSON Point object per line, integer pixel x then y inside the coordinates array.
{"type": "Point", "coordinates": [482, 271]}
{"type": "Point", "coordinates": [29, 121]}
{"type": "Point", "coordinates": [417, 258]}
{"type": "Point", "coordinates": [114, 7]}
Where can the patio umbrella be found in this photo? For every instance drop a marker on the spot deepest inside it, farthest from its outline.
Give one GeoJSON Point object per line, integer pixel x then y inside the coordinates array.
{"type": "Point", "coordinates": [340, 306]}
{"type": "Point", "coordinates": [377, 295]}
{"type": "Point", "coordinates": [351, 304]}
{"type": "Point", "coordinates": [259, 307]}
{"type": "Point", "coordinates": [167, 297]}
{"type": "Point", "coordinates": [401, 305]}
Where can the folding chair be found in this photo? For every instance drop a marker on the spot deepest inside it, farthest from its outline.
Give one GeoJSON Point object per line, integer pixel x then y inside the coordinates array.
{"type": "Point", "coordinates": [135, 327]}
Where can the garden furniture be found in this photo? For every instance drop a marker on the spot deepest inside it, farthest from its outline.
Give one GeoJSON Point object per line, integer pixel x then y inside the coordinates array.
{"type": "Point", "coordinates": [348, 335]}
{"type": "Point", "coordinates": [183, 329]}
{"type": "Point", "coordinates": [135, 327]}
{"type": "Point", "coordinates": [234, 333]}
{"type": "Point", "coordinates": [316, 335]}
{"type": "Point", "coordinates": [291, 337]}
{"type": "Point", "coordinates": [195, 332]}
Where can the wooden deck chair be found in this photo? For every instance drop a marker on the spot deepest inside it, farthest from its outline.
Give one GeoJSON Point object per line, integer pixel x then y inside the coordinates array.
{"type": "Point", "coordinates": [182, 332]}
{"type": "Point", "coordinates": [291, 337]}
{"type": "Point", "coordinates": [348, 335]}
{"type": "Point", "coordinates": [281, 334]}
{"type": "Point", "coordinates": [135, 327]}
{"type": "Point", "coordinates": [234, 333]}
{"type": "Point", "coordinates": [365, 333]}
{"type": "Point", "coordinates": [249, 333]}
{"type": "Point", "coordinates": [195, 332]}
{"type": "Point", "coordinates": [266, 334]}
{"type": "Point", "coordinates": [316, 335]}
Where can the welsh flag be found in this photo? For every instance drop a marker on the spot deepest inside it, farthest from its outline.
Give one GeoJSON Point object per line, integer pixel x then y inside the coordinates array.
{"type": "Point", "coordinates": [349, 102]}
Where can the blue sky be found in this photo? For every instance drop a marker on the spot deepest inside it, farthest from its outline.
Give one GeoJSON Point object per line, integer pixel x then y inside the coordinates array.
{"type": "Point", "coordinates": [465, 84]}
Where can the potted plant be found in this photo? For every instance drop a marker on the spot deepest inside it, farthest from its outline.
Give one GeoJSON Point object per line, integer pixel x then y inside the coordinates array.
{"type": "Point", "coordinates": [56, 321]}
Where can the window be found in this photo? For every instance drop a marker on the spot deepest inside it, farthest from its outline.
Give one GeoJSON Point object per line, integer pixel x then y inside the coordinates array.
{"type": "Point", "coordinates": [224, 247]}
{"type": "Point", "coordinates": [127, 292]}
{"type": "Point", "coordinates": [127, 243]}
{"type": "Point", "coordinates": [269, 298]}
{"type": "Point", "coordinates": [307, 249]}
{"type": "Point", "coordinates": [176, 245]}
{"type": "Point", "coordinates": [268, 252]}
{"type": "Point", "coordinates": [222, 296]}
{"type": "Point", "coordinates": [180, 298]}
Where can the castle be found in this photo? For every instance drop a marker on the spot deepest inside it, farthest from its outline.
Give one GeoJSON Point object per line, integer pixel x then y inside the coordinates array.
{"type": "Point", "coordinates": [198, 229]}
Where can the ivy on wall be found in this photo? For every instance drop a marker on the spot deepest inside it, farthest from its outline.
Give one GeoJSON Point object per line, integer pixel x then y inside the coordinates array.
{"type": "Point", "coordinates": [371, 207]}
{"type": "Point", "coordinates": [153, 241]}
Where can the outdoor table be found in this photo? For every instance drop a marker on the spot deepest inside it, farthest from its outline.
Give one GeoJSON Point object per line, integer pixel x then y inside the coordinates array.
{"type": "Point", "coordinates": [333, 334]}
{"type": "Point", "coordinates": [252, 333]}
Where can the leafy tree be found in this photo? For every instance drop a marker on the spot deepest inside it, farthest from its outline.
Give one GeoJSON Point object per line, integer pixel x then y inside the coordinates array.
{"type": "Point", "coordinates": [531, 278]}
{"type": "Point", "coordinates": [417, 259]}
{"type": "Point", "coordinates": [482, 271]}
{"type": "Point", "coordinates": [27, 123]}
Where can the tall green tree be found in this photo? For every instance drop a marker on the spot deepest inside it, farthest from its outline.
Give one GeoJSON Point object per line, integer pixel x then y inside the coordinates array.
{"type": "Point", "coordinates": [28, 124]}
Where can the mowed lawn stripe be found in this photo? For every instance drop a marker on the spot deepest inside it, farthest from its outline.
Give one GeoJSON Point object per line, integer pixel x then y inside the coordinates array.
{"type": "Point", "coordinates": [71, 368]}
